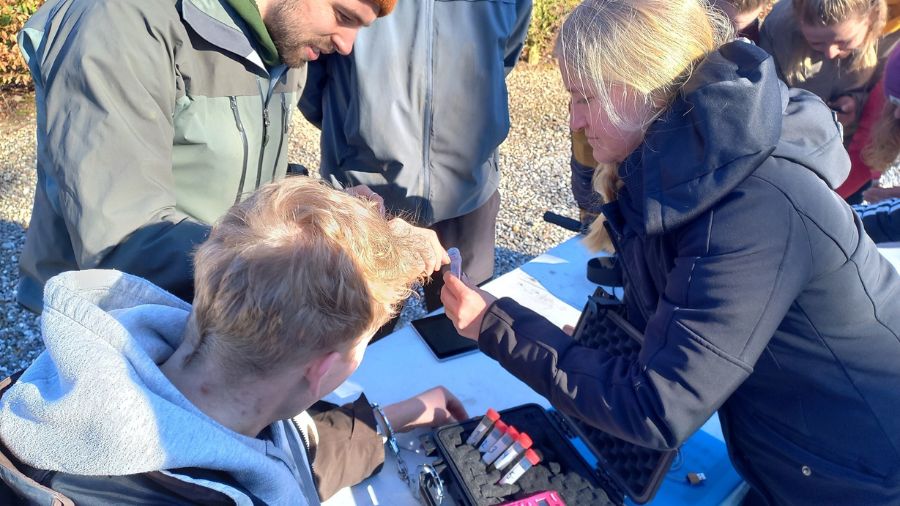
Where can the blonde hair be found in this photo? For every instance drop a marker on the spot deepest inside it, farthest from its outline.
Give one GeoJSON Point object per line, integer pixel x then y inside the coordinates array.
{"type": "Point", "coordinates": [645, 50]}
{"type": "Point", "coordinates": [884, 144]}
{"type": "Point", "coordinates": [828, 13]}
{"type": "Point", "coordinates": [295, 270]}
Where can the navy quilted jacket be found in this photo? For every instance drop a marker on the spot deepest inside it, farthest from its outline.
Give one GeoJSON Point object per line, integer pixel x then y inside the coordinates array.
{"type": "Point", "coordinates": [760, 295]}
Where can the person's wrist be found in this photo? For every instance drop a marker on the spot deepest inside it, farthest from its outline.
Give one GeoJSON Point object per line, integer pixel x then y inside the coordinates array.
{"type": "Point", "coordinates": [398, 415]}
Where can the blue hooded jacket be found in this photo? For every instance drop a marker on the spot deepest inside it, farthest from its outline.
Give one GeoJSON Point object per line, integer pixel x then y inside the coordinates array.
{"type": "Point", "coordinates": [760, 295]}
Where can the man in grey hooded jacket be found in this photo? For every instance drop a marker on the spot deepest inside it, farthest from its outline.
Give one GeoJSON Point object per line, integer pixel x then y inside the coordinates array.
{"type": "Point", "coordinates": [154, 116]}
{"type": "Point", "coordinates": [141, 398]}
{"type": "Point", "coordinates": [417, 112]}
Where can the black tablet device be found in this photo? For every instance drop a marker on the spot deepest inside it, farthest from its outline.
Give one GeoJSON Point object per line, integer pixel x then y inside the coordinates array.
{"type": "Point", "coordinates": [441, 337]}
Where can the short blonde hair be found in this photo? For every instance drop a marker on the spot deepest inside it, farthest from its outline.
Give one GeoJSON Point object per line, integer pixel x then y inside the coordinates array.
{"type": "Point", "coordinates": [828, 13]}
{"type": "Point", "coordinates": [297, 269]}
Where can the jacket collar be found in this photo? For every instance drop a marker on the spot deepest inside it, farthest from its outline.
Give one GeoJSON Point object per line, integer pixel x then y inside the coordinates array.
{"type": "Point", "coordinates": [218, 25]}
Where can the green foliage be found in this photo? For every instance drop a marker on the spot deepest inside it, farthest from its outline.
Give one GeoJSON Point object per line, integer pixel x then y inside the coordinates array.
{"type": "Point", "coordinates": [13, 14]}
{"type": "Point", "coordinates": [546, 18]}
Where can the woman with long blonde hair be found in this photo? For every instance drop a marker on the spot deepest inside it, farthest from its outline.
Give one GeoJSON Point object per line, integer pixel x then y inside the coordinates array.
{"type": "Point", "coordinates": [757, 292]}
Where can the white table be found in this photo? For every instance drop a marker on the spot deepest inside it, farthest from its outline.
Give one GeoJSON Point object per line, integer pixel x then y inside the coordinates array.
{"type": "Point", "coordinates": [400, 365]}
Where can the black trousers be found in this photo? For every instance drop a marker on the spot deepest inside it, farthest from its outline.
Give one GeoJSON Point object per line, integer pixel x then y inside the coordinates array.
{"type": "Point", "coordinates": [474, 234]}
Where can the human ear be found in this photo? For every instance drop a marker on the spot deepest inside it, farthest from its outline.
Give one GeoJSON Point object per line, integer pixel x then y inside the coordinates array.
{"type": "Point", "coordinates": [319, 370]}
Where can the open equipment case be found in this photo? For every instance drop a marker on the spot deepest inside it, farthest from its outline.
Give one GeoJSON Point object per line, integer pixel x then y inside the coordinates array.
{"type": "Point", "coordinates": [586, 466]}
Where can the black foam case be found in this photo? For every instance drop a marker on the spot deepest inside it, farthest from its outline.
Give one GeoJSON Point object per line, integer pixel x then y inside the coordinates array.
{"type": "Point", "coordinates": [623, 468]}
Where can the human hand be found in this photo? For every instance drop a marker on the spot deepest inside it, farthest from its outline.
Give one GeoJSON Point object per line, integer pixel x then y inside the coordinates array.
{"type": "Point", "coordinates": [877, 194]}
{"type": "Point", "coordinates": [433, 254]}
{"type": "Point", "coordinates": [465, 304]}
{"type": "Point", "coordinates": [364, 192]}
{"type": "Point", "coordinates": [431, 408]}
{"type": "Point", "coordinates": [845, 106]}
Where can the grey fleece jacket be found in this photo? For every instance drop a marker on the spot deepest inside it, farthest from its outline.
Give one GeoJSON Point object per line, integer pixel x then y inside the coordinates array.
{"type": "Point", "coordinates": [95, 402]}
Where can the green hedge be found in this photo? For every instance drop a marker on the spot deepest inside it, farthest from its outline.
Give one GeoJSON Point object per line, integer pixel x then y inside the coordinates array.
{"type": "Point", "coordinates": [13, 14]}
{"type": "Point", "coordinates": [545, 21]}
{"type": "Point", "coordinates": [546, 18]}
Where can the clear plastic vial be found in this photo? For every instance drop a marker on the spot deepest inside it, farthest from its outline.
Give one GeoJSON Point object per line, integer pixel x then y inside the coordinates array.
{"type": "Point", "coordinates": [501, 445]}
{"type": "Point", "coordinates": [529, 460]}
{"type": "Point", "coordinates": [522, 443]}
{"type": "Point", "coordinates": [487, 421]}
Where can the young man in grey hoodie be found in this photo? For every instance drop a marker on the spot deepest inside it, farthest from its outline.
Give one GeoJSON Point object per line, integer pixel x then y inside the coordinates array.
{"type": "Point", "coordinates": [142, 398]}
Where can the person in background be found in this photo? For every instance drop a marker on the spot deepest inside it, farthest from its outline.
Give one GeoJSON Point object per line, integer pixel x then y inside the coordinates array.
{"type": "Point", "coordinates": [141, 398]}
{"type": "Point", "coordinates": [755, 287]}
{"type": "Point", "coordinates": [835, 49]}
{"type": "Point", "coordinates": [745, 16]}
{"type": "Point", "coordinates": [881, 216]}
{"type": "Point", "coordinates": [417, 112]}
{"type": "Point", "coordinates": [862, 175]}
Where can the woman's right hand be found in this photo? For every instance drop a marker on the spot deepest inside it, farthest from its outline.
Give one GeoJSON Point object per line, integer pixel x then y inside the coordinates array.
{"type": "Point", "coordinates": [465, 304]}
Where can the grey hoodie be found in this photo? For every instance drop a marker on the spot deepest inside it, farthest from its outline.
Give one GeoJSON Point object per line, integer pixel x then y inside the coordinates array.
{"type": "Point", "coordinates": [96, 403]}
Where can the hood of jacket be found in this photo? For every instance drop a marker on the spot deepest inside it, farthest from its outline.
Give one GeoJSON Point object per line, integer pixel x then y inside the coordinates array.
{"type": "Point", "coordinates": [729, 118]}
{"type": "Point", "coordinates": [96, 403]}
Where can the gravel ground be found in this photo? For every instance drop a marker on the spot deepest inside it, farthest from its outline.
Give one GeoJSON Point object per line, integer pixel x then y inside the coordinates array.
{"type": "Point", "coordinates": [534, 169]}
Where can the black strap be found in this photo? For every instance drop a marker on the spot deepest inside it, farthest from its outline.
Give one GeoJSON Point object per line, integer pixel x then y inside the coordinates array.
{"type": "Point", "coordinates": [604, 271]}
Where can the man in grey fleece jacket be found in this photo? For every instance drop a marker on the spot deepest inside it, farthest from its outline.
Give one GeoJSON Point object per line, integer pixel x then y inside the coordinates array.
{"type": "Point", "coordinates": [141, 398]}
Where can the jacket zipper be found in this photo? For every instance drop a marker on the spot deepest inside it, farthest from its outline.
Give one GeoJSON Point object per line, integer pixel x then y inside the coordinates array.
{"type": "Point", "coordinates": [305, 442]}
{"type": "Point", "coordinates": [284, 131]}
{"type": "Point", "coordinates": [265, 131]}
{"type": "Point", "coordinates": [614, 237]}
{"type": "Point", "coordinates": [240, 127]}
{"type": "Point", "coordinates": [428, 110]}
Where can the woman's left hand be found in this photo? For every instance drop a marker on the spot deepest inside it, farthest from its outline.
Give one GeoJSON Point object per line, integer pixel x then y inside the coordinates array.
{"type": "Point", "coordinates": [465, 305]}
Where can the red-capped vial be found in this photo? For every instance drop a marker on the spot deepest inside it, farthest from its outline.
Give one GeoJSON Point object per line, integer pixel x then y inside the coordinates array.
{"type": "Point", "coordinates": [505, 441]}
{"type": "Point", "coordinates": [496, 432]}
{"type": "Point", "coordinates": [522, 443]}
{"type": "Point", "coordinates": [529, 460]}
{"type": "Point", "coordinates": [487, 421]}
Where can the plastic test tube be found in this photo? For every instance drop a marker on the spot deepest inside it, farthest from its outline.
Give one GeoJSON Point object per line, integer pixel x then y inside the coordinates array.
{"type": "Point", "coordinates": [455, 262]}
{"type": "Point", "coordinates": [495, 433]}
{"type": "Point", "coordinates": [487, 421]}
{"type": "Point", "coordinates": [522, 443]}
{"type": "Point", "coordinates": [529, 460]}
{"type": "Point", "coordinates": [500, 445]}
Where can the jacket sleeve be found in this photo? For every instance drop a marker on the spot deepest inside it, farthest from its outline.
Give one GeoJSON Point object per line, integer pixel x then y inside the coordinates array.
{"type": "Point", "coordinates": [732, 283]}
{"type": "Point", "coordinates": [881, 220]}
{"type": "Point", "coordinates": [311, 100]}
{"type": "Point", "coordinates": [106, 106]}
{"type": "Point", "coordinates": [516, 41]}
{"type": "Point", "coordinates": [348, 449]}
